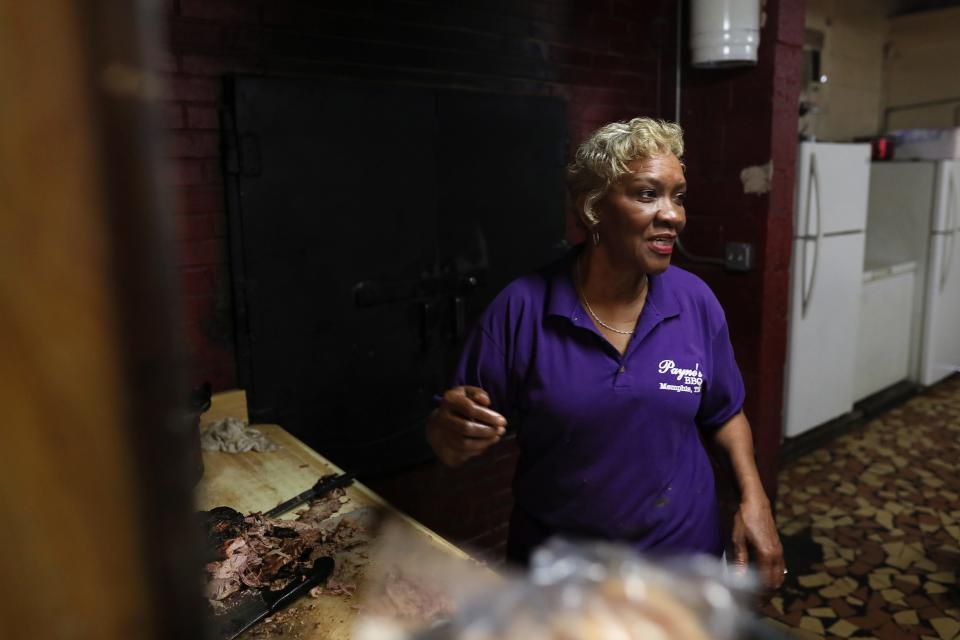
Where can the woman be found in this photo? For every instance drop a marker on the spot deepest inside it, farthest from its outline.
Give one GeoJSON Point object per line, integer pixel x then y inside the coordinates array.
{"type": "Point", "coordinates": [614, 364]}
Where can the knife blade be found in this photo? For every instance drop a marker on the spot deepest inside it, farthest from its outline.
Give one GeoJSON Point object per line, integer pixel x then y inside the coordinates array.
{"type": "Point", "coordinates": [324, 485]}
{"type": "Point", "coordinates": [237, 619]}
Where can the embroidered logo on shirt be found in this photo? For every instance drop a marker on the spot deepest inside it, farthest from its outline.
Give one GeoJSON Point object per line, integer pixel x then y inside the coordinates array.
{"type": "Point", "coordinates": [688, 380]}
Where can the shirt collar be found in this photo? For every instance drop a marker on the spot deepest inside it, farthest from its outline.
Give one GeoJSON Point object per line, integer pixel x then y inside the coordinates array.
{"type": "Point", "coordinates": [564, 301]}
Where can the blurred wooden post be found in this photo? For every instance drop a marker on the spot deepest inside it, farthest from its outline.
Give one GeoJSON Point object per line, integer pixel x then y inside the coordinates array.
{"type": "Point", "coordinates": [95, 487]}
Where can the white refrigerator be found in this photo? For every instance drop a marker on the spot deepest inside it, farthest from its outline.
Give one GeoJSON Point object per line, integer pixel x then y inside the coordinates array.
{"type": "Point", "coordinates": [826, 279]}
{"type": "Point", "coordinates": [940, 341]}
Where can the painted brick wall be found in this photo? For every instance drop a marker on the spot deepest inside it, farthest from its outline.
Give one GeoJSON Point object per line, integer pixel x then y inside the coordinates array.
{"type": "Point", "coordinates": [735, 119]}
{"type": "Point", "coordinates": [609, 59]}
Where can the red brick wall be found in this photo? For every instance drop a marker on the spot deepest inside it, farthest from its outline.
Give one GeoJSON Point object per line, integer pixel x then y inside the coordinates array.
{"type": "Point", "coordinates": [735, 119]}
{"type": "Point", "coordinates": [610, 59]}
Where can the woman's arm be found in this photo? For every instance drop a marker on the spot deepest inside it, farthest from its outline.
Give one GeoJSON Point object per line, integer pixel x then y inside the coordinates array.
{"type": "Point", "coordinates": [753, 525]}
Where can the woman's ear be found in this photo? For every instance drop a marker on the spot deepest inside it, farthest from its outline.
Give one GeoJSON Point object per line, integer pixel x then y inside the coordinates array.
{"type": "Point", "coordinates": [580, 207]}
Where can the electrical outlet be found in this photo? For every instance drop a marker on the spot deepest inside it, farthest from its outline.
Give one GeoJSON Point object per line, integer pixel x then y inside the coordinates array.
{"type": "Point", "coordinates": [738, 256]}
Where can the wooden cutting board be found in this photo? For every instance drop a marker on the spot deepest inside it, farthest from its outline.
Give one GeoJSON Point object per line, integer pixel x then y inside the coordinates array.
{"type": "Point", "coordinates": [256, 481]}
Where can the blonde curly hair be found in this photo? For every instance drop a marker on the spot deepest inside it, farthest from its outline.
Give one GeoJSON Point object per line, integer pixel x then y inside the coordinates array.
{"type": "Point", "coordinates": [602, 158]}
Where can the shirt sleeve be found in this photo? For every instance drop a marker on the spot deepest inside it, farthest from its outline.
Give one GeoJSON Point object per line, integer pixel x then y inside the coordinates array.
{"type": "Point", "coordinates": [723, 391]}
{"type": "Point", "coordinates": [483, 363]}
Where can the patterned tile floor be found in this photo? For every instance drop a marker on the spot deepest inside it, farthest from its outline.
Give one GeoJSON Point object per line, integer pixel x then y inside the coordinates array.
{"type": "Point", "coordinates": [871, 527]}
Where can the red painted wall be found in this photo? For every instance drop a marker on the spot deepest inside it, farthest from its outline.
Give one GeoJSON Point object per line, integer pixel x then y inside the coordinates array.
{"type": "Point", "coordinates": [610, 59]}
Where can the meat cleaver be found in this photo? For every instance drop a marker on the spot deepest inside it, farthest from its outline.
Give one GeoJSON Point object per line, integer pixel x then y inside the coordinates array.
{"type": "Point", "coordinates": [234, 621]}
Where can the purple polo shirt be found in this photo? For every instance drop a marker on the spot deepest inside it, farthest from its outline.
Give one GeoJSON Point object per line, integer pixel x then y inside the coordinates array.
{"type": "Point", "coordinates": [609, 444]}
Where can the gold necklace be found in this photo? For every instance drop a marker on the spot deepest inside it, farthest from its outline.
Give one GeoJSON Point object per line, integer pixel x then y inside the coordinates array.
{"type": "Point", "coordinates": [586, 302]}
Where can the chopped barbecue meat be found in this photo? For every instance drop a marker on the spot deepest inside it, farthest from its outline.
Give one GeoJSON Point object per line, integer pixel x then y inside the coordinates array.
{"type": "Point", "coordinates": [322, 508]}
{"type": "Point", "coordinates": [220, 518]}
{"type": "Point", "coordinates": [219, 526]}
{"type": "Point", "coordinates": [255, 552]}
{"type": "Point", "coordinates": [226, 576]}
{"type": "Point", "coordinates": [335, 588]}
{"type": "Point", "coordinates": [407, 598]}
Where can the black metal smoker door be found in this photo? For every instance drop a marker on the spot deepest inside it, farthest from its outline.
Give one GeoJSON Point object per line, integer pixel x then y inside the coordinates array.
{"type": "Point", "coordinates": [335, 186]}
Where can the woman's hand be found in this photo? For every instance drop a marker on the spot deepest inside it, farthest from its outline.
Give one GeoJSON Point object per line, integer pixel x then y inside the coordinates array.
{"type": "Point", "coordinates": [754, 529]}
{"type": "Point", "coordinates": [753, 526]}
{"type": "Point", "coordinates": [463, 426]}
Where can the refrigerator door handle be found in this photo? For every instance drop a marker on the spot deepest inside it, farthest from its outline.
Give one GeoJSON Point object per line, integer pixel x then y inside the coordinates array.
{"type": "Point", "coordinates": [952, 234]}
{"type": "Point", "coordinates": [813, 188]}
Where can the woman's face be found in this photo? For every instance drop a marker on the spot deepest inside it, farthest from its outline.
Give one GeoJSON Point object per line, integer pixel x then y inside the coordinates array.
{"type": "Point", "coordinates": [642, 214]}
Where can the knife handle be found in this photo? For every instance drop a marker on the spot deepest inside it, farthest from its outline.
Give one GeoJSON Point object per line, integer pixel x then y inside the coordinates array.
{"type": "Point", "coordinates": [322, 569]}
{"type": "Point", "coordinates": [326, 485]}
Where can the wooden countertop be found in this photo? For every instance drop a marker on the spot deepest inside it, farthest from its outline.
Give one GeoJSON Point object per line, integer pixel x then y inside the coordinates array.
{"type": "Point", "coordinates": [256, 481]}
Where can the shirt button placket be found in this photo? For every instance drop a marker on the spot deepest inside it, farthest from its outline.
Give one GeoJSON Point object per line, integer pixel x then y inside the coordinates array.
{"type": "Point", "coordinates": [621, 380]}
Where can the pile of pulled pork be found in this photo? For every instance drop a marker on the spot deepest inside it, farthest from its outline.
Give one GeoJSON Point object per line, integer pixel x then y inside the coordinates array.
{"type": "Point", "coordinates": [255, 552]}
